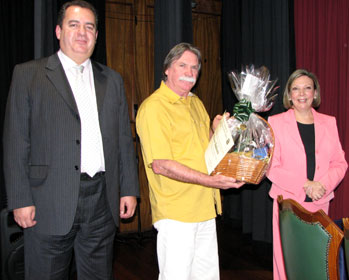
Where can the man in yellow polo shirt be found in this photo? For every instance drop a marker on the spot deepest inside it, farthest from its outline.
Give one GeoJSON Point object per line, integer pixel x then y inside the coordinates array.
{"type": "Point", "coordinates": [174, 129]}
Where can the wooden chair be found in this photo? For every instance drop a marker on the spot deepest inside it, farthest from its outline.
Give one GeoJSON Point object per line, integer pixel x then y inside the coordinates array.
{"type": "Point", "coordinates": [310, 242]}
{"type": "Point", "coordinates": [346, 241]}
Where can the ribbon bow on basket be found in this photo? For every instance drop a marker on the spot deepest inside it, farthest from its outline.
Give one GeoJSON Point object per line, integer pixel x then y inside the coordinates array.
{"type": "Point", "coordinates": [242, 110]}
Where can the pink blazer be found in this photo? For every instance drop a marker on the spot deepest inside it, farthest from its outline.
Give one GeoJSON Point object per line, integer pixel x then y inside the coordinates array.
{"type": "Point", "coordinates": [288, 170]}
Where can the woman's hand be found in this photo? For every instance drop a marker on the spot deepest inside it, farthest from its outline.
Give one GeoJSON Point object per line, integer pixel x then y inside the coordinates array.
{"type": "Point", "coordinates": [314, 189]}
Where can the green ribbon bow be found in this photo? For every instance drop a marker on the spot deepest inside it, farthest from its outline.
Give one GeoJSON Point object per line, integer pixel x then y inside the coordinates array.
{"type": "Point", "coordinates": [242, 110]}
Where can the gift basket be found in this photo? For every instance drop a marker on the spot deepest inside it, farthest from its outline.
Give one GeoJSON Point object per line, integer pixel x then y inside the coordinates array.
{"type": "Point", "coordinates": [253, 138]}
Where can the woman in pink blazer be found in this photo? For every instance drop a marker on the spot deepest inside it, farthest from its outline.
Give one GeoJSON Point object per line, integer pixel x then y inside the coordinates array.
{"type": "Point", "coordinates": [308, 161]}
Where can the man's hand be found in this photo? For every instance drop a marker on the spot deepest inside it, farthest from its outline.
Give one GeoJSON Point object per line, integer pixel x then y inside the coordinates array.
{"type": "Point", "coordinates": [216, 121]}
{"type": "Point", "coordinates": [25, 216]}
{"type": "Point", "coordinates": [127, 206]}
{"type": "Point", "coordinates": [225, 182]}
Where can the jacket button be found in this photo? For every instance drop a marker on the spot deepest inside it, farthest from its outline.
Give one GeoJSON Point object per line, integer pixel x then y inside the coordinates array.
{"type": "Point", "coordinates": [78, 142]}
{"type": "Point", "coordinates": [76, 167]}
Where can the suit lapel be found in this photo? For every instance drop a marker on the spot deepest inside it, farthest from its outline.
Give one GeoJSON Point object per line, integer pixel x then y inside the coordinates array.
{"type": "Point", "coordinates": [291, 121]}
{"type": "Point", "coordinates": [100, 81]}
{"type": "Point", "coordinates": [319, 129]}
{"type": "Point", "coordinates": [294, 132]}
{"type": "Point", "coordinates": [55, 73]}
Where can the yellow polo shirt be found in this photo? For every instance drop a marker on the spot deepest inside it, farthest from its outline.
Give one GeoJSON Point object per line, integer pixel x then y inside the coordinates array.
{"type": "Point", "coordinates": [176, 128]}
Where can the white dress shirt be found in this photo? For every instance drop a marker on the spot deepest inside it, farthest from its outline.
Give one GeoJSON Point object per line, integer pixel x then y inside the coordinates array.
{"type": "Point", "coordinates": [69, 68]}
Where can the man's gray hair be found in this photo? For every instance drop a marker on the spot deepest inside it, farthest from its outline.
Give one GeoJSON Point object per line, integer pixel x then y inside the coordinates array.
{"type": "Point", "coordinates": [176, 52]}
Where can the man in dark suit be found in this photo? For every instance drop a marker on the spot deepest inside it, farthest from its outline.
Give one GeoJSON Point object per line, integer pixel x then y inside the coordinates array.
{"type": "Point", "coordinates": [69, 159]}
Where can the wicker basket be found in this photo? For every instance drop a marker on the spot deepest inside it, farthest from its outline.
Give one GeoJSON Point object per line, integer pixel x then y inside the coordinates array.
{"type": "Point", "coordinates": [242, 168]}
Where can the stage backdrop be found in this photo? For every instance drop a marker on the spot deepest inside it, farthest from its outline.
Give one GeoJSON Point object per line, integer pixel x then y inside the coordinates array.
{"type": "Point", "coordinates": [259, 33]}
{"type": "Point", "coordinates": [322, 39]}
{"type": "Point", "coordinates": [172, 25]}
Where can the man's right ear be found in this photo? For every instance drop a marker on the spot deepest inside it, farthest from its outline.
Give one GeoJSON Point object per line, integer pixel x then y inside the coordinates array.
{"type": "Point", "coordinates": [58, 32]}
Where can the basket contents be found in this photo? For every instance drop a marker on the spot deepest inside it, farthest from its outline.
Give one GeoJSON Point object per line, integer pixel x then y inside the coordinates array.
{"type": "Point", "coordinates": [242, 146]}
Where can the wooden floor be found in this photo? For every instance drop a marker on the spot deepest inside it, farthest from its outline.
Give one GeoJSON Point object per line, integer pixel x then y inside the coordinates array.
{"type": "Point", "coordinates": [240, 258]}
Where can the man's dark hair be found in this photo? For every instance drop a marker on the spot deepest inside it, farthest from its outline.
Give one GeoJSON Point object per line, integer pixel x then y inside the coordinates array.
{"type": "Point", "coordinates": [79, 3]}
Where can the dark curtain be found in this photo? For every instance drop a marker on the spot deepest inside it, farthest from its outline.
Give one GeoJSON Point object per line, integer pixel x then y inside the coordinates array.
{"type": "Point", "coordinates": [45, 18]}
{"type": "Point", "coordinates": [173, 24]}
{"type": "Point", "coordinates": [322, 38]}
{"type": "Point", "coordinates": [16, 46]}
{"type": "Point", "coordinates": [258, 32]}
{"type": "Point", "coordinates": [28, 31]}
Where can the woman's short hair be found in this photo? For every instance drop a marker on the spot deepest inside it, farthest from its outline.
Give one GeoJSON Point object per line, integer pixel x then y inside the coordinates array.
{"type": "Point", "coordinates": [79, 3]}
{"type": "Point", "coordinates": [176, 52]}
{"type": "Point", "coordinates": [295, 75]}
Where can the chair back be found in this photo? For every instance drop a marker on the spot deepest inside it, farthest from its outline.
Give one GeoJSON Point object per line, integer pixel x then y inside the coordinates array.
{"type": "Point", "coordinates": [346, 241]}
{"type": "Point", "coordinates": [310, 242]}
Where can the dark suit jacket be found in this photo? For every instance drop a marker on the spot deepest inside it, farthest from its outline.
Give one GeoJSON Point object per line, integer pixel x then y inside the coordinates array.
{"type": "Point", "coordinates": [42, 142]}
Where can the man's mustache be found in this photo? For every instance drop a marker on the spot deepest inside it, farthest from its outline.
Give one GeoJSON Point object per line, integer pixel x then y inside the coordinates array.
{"type": "Point", "coordinates": [187, 79]}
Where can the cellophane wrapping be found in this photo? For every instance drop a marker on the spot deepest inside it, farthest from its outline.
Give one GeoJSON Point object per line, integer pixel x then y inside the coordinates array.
{"type": "Point", "coordinates": [252, 135]}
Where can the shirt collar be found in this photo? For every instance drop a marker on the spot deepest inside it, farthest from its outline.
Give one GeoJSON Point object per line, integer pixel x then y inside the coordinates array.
{"type": "Point", "coordinates": [68, 63]}
{"type": "Point", "coordinates": [172, 96]}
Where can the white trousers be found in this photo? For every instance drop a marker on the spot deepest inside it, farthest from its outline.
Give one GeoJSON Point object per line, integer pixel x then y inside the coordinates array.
{"type": "Point", "coordinates": [187, 251]}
